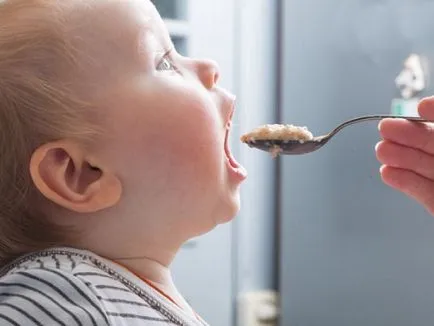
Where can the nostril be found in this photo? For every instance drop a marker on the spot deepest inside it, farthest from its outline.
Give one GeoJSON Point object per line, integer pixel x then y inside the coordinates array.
{"type": "Point", "coordinates": [213, 76]}
{"type": "Point", "coordinates": [216, 76]}
{"type": "Point", "coordinates": [208, 72]}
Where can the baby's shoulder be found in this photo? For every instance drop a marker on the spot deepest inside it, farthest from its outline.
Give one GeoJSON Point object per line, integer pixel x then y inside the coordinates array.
{"type": "Point", "coordinates": [44, 290]}
{"type": "Point", "coordinates": [68, 287]}
{"type": "Point", "coordinates": [75, 263]}
{"type": "Point", "coordinates": [76, 268]}
{"type": "Point", "coordinates": [65, 261]}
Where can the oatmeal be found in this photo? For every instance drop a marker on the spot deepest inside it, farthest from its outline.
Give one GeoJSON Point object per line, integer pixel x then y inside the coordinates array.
{"type": "Point", "coordinates": [278, 132]}
{"type": "Point", "coordinates": [275, 151]}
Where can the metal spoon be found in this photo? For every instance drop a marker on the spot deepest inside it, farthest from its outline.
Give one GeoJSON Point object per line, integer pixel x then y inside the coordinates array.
{"type": "Point", "coordinates": [295, 147]}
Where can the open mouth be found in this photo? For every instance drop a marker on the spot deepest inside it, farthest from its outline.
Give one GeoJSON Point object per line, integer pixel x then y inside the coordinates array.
{"type": "Point", "coordinates": [232, 162]}
{"type": "Point", "coordinates": [236, 167]}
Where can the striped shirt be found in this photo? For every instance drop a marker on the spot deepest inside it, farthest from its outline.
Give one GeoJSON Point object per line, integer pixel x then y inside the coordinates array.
{"type": "Point", "coordinates": [70, 287]}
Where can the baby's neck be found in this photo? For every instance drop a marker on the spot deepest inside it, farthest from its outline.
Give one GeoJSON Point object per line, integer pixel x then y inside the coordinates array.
{"type": "Point", "coordinates": [159, 276]}
{"type": "Point", "coordinates": [147, 268]}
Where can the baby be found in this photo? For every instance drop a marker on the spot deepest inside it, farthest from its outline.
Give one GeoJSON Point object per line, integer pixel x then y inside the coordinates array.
{"type": "Point", "coordinates": [113, 153]}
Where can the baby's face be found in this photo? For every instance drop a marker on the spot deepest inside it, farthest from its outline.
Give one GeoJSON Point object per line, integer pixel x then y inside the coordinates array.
{"type": "Point", "coordinates": [166, 123]}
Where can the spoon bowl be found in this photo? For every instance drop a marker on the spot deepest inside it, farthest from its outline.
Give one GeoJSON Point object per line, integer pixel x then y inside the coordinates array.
{"type": "Point", "coordinates": [288, 147]}
{"type": "Point", "coordinates": [296, 147]}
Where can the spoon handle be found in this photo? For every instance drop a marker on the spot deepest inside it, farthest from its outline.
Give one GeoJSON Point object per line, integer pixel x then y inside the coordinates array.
{"type": "Point", "coordinates": [375, 117]}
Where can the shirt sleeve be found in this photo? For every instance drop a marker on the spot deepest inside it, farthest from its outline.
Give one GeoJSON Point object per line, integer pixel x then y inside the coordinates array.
{"type": "Point", "coordinates": [40, 297]}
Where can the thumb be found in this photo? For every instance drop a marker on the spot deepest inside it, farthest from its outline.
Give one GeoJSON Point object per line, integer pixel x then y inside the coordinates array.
{"type": "Point", "coordinates": [426, 108]}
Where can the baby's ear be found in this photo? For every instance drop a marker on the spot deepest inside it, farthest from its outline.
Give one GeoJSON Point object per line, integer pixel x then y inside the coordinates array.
{"type": "Point", "coordinates": [63, 174]}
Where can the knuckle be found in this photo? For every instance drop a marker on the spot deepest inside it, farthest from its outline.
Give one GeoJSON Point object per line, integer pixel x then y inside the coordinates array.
{"type": "Point", "coordinates": [428, 142]}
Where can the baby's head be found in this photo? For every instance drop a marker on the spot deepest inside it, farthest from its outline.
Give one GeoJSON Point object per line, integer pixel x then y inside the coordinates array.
{"type": "Point", "coordinates": [109, 139]}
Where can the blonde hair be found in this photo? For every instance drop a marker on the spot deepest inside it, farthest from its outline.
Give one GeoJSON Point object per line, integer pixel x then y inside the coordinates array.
{"type": "Point", "coordinates": [37, 104]}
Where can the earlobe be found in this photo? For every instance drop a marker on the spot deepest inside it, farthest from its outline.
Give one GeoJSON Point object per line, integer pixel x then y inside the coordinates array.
{"type": "Point", "coordinates": [63, 174]}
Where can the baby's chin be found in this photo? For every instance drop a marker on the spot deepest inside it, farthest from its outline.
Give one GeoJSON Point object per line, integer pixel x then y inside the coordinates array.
{"type": "Point", "coordinates": [224, 213]}
{"type": "Point", "coordinates": [232, 207]}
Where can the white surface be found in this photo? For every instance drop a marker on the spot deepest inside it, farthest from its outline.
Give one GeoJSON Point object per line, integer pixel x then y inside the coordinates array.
{"type": "Point", "coordinates": [258, 309]}
{"type": "Point", "coordinates": [405, 107]}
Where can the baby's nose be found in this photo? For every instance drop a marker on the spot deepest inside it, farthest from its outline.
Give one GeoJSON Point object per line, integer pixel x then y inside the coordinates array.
{"type": "Point", "coordinates": [208, 72]}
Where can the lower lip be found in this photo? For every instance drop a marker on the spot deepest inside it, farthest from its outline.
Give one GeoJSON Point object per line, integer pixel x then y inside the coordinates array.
{"type": "Point", "coordinates": [237, 170]}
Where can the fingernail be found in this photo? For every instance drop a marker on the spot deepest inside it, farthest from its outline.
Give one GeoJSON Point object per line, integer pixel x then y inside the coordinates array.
{"type": "Point", "coordinates": [427, 98]}
{"type": "Point", "coordinates": [377, 145]}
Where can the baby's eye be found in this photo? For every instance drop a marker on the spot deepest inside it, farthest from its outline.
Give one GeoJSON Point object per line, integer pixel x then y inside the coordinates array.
{"type": "Point", "coordinates": [166, 65]}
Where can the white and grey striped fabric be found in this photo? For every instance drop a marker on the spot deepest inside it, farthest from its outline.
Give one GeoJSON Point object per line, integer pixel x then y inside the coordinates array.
{"type": "Point", "coordinates": [70, 287]}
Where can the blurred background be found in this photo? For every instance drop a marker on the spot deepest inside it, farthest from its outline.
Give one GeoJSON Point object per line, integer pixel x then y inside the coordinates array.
{"type": "Point", "coordinates": [319, 241]}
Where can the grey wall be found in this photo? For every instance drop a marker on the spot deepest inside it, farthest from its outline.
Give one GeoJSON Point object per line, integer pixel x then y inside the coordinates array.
{"type": "Point", "coordinates": [354, 252]}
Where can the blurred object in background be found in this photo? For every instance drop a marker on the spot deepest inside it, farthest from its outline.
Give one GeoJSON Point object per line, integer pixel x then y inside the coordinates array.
{"type": "Point", "coordinates": [172, 9]}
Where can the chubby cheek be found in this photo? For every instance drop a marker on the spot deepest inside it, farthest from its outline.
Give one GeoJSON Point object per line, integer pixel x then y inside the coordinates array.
{"type": "Point", "coordinates": [193, 135]}
{"type": "Point", "coordinates": [171, 144]}
{"type": "Point", "coordinates": [181, 152]}
{"type": "Point", "coordinates": [193, 149]}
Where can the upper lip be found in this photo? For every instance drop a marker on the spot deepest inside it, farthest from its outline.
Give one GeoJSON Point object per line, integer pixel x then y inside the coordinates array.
{"type": "Point", "coordinates": [230, 114]}
{"type": "Point", "coordinates": [228, 124]}
{"type": "Point", "coordinates": [228, 106]}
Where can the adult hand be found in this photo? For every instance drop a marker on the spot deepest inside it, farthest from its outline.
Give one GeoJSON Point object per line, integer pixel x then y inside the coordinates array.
{"type": "Point", "coordinates": [407, 155]}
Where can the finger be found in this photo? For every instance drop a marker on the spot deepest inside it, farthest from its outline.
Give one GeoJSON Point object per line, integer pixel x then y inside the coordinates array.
{"type": "Point", "coordinates": [426, 108]}
{"type": "Point", "coordinates": [408, 133]}
{"type": "Point", "coordinates": [411, 184]}
{"type": "Point", "coordinates": [407, 158]}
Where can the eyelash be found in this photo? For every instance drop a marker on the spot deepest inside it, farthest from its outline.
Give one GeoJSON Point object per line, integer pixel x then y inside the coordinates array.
{"type": "Point", "coordinates": [166, 65]}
